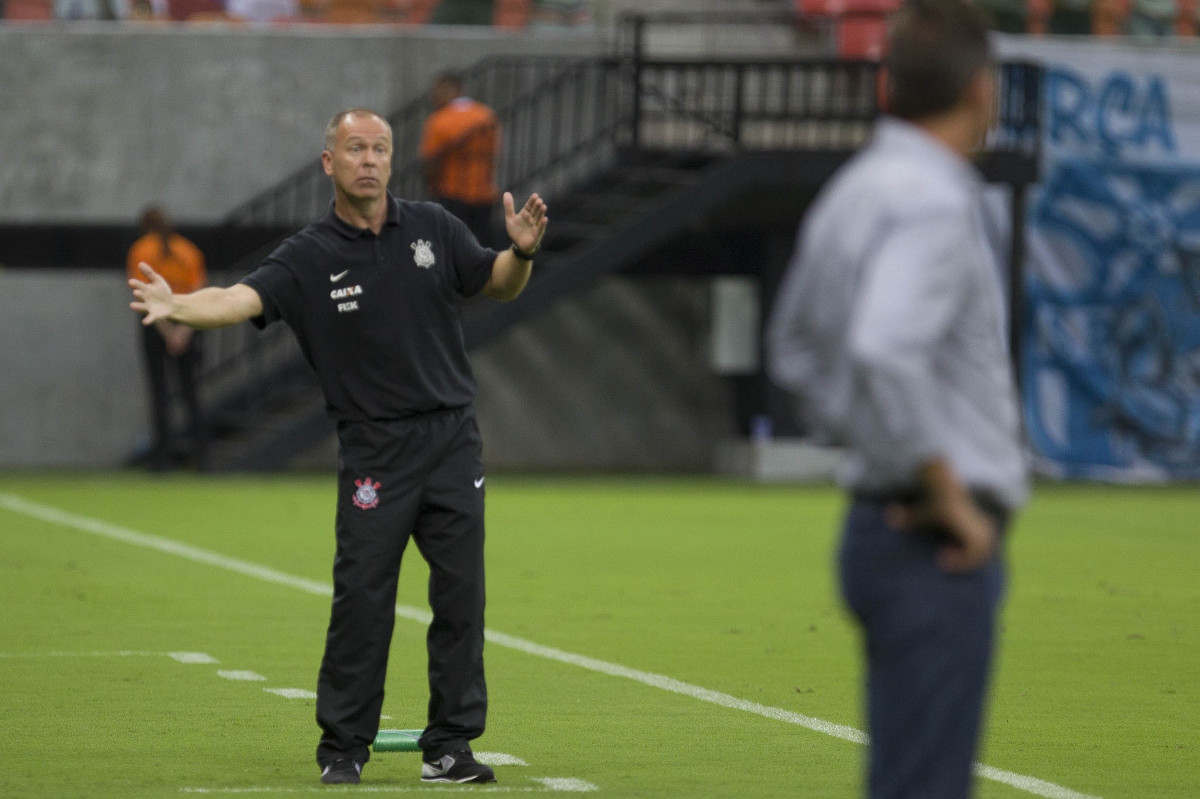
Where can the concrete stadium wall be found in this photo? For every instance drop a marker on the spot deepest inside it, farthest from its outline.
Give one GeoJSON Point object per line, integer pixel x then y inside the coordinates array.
{"type": "Point", "coordinates": [72, 391]}
{"type": "Point", "coordinates": [99, 120]}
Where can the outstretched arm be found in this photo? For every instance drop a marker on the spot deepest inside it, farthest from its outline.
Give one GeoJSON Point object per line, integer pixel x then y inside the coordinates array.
{"type": "Point", "coordinates": [510, 272]}
{"type": "Point", "coordinates": [206, 308]}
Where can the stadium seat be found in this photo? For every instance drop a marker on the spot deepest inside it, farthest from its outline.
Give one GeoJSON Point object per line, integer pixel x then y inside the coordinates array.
{"type": "Point", "coordinates": [1038, 16]}
{"type": "Point", "coordinates": [1185, 21]}
{"type": "Point", "coordinates": [351, 12]}
{"type": "Point", "coordinates": [215, 18]}
{"type": "Point", "coordinates": [28, 10]}
{"type": "Point", "coordinates": [1109, 17]}
{"type": "Point", "coordinates": [859, 26]}
{"type": "Point", "coordinates": [312, 10]}
{"type": "Point", "coordinates": [421, 11]}
{"type": "Point", "coordinates": [391, 11]}
{"type": "Point", "coordinates": [180, 10]}
{"type": "Point", "coordinates": [512, 13]}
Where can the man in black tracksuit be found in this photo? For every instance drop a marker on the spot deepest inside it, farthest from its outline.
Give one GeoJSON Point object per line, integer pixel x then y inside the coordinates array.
{"type": "Point", "coordinates": [370, 291]}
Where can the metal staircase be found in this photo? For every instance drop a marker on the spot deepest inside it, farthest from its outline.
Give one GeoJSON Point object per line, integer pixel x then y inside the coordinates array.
{"type": "Point", "coordinates": [630, 153]}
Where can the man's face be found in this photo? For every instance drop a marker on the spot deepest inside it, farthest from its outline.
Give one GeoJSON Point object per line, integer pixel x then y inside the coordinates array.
{"type": "Point", "coordinates": [360, 162]}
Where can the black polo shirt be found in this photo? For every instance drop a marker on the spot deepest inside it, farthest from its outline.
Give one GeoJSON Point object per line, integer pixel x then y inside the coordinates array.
{"type": "Point", "coordinates": [377, 316]}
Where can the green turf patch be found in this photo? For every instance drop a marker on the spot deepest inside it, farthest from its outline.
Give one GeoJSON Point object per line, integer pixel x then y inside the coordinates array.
{"type": "Point", "coordinates": [716, 584]}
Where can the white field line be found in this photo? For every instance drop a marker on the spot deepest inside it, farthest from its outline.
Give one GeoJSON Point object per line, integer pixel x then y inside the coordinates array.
{"type": "Point", "coordinates": [115, 532]}
{"type": "Point", "coordinates": [548, 785]}
{"type": "Point", "coordinates": [499, 759]}
{"type": "Point", "coordinates": [292, 693]}
{"type": "Point", "coordinates": [182, 657]}
{"type": "Point", "coordinates": [565, 784]}
{"type": "Point", "coordinates": [124, 653]}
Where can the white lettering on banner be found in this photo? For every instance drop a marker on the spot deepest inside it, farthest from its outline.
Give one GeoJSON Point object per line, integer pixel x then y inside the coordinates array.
{"type": "Point", "coordinates": [1120, 111]}
{"type": "Point", "coordinates": [1111, 391]}
{"type": "Point", "coordinates": [349, 291]}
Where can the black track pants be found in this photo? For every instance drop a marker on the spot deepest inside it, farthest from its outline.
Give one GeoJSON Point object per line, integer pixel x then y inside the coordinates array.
{"type": "Point", "coordinates": [420, 477]}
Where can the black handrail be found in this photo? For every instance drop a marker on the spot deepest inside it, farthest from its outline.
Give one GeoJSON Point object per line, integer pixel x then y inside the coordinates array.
{"type": "Point", "coordinates": [553, 111]}
{"type": "Point", "coordinates": [510, 85]}
{"type": "Point", "coordinates": [564, 120]}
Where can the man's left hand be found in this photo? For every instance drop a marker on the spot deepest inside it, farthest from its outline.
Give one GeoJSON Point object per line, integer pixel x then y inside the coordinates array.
{"type": "Point", "coordinates": [527, 226]}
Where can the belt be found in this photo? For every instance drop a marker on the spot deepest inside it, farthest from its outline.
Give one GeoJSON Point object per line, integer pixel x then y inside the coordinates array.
{"type": "Point", "coordinates": [986, 499]}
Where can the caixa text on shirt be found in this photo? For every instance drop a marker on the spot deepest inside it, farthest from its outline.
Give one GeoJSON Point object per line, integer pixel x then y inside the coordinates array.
{"type": "Point", "coordinates": [341, 294]}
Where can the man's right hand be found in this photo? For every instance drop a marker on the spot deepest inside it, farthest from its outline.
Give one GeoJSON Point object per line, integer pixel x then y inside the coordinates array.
{"type": "Point", "coordinates": [948, 506]}
{"type": "Point", "coordinates": [153, 298]}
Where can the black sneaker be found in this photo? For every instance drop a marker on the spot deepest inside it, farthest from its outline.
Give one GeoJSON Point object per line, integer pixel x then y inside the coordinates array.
{"type": "Point", "coordinates": [456, 767]}
{"type": "Point", "coordinates": [342, 771]}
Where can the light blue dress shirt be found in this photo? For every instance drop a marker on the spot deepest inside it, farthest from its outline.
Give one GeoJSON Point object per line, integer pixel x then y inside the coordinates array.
{"type": "Point", "coordinates": [889, 325]}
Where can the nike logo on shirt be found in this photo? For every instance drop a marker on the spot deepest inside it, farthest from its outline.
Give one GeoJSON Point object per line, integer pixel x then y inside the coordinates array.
{"type": "Point", "coordinates": [479, 482]}
{"type": "Point", "coordinates": [339, 276]}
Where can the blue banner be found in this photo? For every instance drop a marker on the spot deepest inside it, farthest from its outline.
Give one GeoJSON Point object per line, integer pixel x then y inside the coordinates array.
{"type": "Point", "coordinates": [1110, 360]}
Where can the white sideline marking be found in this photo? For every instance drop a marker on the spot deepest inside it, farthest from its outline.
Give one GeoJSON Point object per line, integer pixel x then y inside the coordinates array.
{"type": "Point", "coordinates": [248, 676]}
{"type": "Point", "coordinates": [1028, 784]}
{"type": "Point", "coordinates": [291, 693]}
{"type": "Point", "coordinates": [192, 657]}
{"type": "Point", "coordinates": [125, 653]}
{"type": "Point", "coordinates": [676, 686]}
{"type": "Point", "coordinates": [499, 759]}
{"type": "Point", "coordinates": [565, 784]}
{"type": "Point", "coordinates": [197, 555]}
{"type": "Point", "coordinates": [125, 535]}
{"type": "Point", "coordinates": [434, 789]}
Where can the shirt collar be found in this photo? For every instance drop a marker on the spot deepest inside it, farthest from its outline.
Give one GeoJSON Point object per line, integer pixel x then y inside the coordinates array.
{"type": "Point", "coordinates": [349, 231]}
{"type": "Point", "coordinates": [901, 135]}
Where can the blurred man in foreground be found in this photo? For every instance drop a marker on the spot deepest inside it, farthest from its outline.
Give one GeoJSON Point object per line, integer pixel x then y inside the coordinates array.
{"type": "Point", "coordinates": [890, 329]}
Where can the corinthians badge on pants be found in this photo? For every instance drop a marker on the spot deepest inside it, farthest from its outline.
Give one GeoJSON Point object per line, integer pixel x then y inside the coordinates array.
{"type": "Point", "coordinates": [367, 496]}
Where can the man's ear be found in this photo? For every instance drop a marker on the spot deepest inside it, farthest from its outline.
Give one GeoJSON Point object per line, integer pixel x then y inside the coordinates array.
{"type": "Point", "coordinates": [981, 94]}
{"type": "Point", "coordinates": [327, 162]}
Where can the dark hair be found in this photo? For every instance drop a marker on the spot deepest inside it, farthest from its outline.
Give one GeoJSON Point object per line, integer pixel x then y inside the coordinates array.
{"type": "Point", "coordinates": [936, 48]}
{"type": "Point", "coordinates": [155, 221]}
{"type": "Point", "coordinates": [450, 78]}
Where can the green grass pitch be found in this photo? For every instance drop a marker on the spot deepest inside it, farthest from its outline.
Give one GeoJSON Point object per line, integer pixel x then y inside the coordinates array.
{"type": "Point", "coordinates": [716, 584]}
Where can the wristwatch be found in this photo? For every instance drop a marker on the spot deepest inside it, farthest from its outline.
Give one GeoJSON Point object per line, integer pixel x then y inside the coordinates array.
{"type": "Point", "coordinates": [524, 256]}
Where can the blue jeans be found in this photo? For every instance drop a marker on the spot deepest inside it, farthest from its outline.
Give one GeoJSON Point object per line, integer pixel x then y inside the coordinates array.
{"type": "Point", "coordinates": [929, 640]}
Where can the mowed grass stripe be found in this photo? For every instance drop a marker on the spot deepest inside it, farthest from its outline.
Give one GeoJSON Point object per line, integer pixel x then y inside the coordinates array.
{"type": "Point", "coordinates": [126, 535]}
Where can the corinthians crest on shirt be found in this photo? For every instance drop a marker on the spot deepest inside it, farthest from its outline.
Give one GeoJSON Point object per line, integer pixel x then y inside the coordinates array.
{"type": "Point", "coordinates": [366, 495]}
{"type": "Point", "coordinates": [423, 253]}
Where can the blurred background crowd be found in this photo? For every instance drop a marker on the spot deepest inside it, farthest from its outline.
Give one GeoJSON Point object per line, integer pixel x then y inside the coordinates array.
{"type": "Point", "coordinates": [1136, 18]}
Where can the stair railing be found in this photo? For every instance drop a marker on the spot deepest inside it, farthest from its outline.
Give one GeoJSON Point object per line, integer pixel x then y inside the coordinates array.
{"type": "Point", "coordinates": [565, 120]}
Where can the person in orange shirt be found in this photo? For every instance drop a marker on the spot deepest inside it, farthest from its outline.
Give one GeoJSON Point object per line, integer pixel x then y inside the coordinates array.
{"type": "Point", "coordinates": [459, 145]}
{"type": "Point", "coordinates": [170, 347]}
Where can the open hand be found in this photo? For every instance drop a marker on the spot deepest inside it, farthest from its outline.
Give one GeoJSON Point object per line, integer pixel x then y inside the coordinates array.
{"type": "Point", "coordinates": [526, 227]}
{"type": "Point", "coordinates": [153, 298]}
